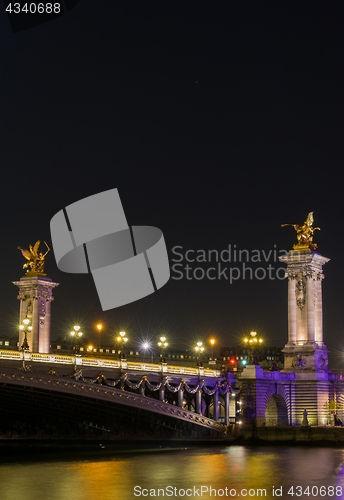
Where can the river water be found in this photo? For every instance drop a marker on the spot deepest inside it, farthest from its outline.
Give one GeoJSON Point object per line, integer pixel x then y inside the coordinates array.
{"type": "Point", "coordinates": [228, 471]}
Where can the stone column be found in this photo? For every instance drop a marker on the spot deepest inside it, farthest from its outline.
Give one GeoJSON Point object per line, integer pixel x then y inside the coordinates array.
{"type": "Point", "coordinates": [142, 389]}
{"type": "Point", "coordinates": [310, 307]}
{"type": "Point", "coordinates": [291, 309]}
{"type": "Point", "coordinates": [180, 398]}
{"type": "Point", "coordinates": [318, 310]}
{"type": "Point", "coordinates": [162, 393]}
{"type": "Point", "coordinates": [301, 309]}
{"type": "Point", "coordinates": [22, 310]}
{"type": "Point", "coordinates": [35, 295]}
{"type": "Point", "coordinates": [226, 398]}
{"type": "Point", "coordinates": [305, 350]}
{"type": "Point", "coordinates": [198, 401]}
{"type": "Point", "coordinates": [304, 270]}
{"type": "Point", "coordinates": [216, 405]}
{"type": "Point", "coordinates": [44, 339]}
{"type": "Point", "coordinates": [34, 346]}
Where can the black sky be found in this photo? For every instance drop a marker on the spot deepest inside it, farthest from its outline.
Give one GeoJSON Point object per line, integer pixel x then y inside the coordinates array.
{"type": "Point", "coordinates": [217, 122]}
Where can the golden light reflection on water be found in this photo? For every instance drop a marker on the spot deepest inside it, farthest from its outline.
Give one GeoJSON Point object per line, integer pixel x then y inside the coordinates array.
{"type": "Point", "coordinates": [234, 467]}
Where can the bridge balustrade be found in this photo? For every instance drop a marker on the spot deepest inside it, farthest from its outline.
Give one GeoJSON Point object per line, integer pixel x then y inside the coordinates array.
{"type": "Point", "coordinates": [10, 355]}
{"type": "Point", "coordinates": [88, 361]}
{"type": "Point", "coordinates": [45, 358]}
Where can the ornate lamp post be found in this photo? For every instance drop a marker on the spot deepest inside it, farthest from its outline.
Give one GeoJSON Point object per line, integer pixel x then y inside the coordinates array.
{"type": "Point", "coordinates": [253, 342]}
{"type": "Point", "coordinates": [163, 344]}
{"type": "Point", "coordinates": [25, 327]}
{"type": "Point", "coordinates": [76, 334]}
{"type": "Point", "coordinates": [99, 326]}
{"type": "Point", "coordinates": [122, 339]}
{"type": "Point", "coordinates": [199, 349]}
{"type": "Point", "coordinates": [212, 341]}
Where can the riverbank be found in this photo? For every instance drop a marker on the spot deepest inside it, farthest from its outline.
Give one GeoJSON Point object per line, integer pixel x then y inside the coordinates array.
{"type": "Point", "coordinates": [295, 434]}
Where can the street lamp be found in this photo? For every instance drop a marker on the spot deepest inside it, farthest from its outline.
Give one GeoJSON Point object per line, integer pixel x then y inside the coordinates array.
{"type": "Point", "coordinates": [253, 339]}
{"type": "Point", "coordinates": [254, 342]}
{"type": "Point", "coordinates": [76, 334]}
{"type": "Point", "coordinates": [122, 339]}
{"type": "Point", "coordinates": [99, 326]}
{"type": "Point", "coordinates": [212, 341]}
{"type": "Point", "coordinates": [199, 349]}
{"type": "Point", "coordinates": [25, 327]}
{"type": "Point", "coordinates": [145, 347]}
{"type": "Point", "coordinates": [163, 344]}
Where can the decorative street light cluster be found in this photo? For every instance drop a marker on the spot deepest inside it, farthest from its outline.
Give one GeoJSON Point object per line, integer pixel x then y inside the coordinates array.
{"type": "Point", "coordinates": [163, 344]}
{"type": "Point", "coordinates": [199, 349]}
{"type": "Point", "coordinates": [25, 327]}
{"type": "Point", "coordinates": [76, 334]}
{"type": "Point", "coordinates": [99, 326]}
{"type": "Point", "coordinates": [254, 342]}
{"type": "Point", "coordinates": [122, 339]}
{"type": "Point", "coordinates": [212, 341]}
{"type": "Point", "coordinates": [253, 339]}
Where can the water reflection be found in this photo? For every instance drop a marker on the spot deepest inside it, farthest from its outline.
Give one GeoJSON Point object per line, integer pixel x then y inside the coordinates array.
{"type": "Point", "coordinates": [231, 467]}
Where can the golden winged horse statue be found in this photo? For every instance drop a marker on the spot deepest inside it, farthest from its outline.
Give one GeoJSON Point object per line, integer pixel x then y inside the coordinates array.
{"type": "Point", "coordinates": [36, 260]}
{"type": "Point", "coordinates": [304, 233]}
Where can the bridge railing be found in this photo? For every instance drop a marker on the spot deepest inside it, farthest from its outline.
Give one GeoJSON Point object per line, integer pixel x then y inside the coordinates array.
{"type": "Point", "coordinates": [10, 355]}
{"type": "Point", "coordinates": [106, 363]}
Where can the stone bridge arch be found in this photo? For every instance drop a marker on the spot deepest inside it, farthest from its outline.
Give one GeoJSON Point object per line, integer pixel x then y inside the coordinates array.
{"type": "Point", "coordinates": [276, 411]}
{"type": "Point", "coordinates": [273, 403]}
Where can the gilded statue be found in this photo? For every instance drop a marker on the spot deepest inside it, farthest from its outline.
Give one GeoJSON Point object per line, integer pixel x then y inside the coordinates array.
{"type": "Point", "coordinates": [35, 258]}
{"type": "Point", "coordinates": [304, 233]}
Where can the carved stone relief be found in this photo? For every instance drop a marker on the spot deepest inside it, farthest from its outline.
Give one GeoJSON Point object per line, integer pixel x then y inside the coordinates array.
{"type": "Point", "coordinates": [300, 291]}
{"type": "Point", "coordinates": [321, 362]}
{"type": "Point", "coordinates": [299, 361]}
{"type": "Point", "coordinates": [29, 307]}
{"type": "Point", "coordinates": [41, 311]}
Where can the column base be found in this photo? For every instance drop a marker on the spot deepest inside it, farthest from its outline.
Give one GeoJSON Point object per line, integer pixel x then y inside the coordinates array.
{"type": "Point", "coordinates": [309, 357]}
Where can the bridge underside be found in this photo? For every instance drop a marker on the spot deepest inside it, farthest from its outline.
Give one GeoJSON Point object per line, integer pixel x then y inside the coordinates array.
{"type": "Point", "coordinates": [28, 412]}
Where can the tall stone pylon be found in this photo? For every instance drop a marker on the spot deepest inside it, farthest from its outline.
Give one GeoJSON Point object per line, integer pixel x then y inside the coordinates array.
{"type": "Point", "coordinates": [35, 295]}
{"type": "Point", "coordinates": [305, 349]}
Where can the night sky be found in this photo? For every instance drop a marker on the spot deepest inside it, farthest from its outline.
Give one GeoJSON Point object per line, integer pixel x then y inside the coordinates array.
{"type": "Point", "coordinates": [216, 121]}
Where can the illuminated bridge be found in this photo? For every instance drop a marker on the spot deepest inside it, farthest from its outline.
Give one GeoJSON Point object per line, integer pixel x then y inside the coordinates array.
{"type": "Point", "coordinates": [58, 397]}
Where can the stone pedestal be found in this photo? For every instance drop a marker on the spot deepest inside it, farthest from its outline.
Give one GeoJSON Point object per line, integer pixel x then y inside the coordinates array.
{"type": "Point", "coordinates": [252, 371]}
{"type": "Point", "coordinates": [35, 295]}
{"type": "Point", "coordinates": [305, 349]}
{"type": "Point", "coordinates": [305, 358]}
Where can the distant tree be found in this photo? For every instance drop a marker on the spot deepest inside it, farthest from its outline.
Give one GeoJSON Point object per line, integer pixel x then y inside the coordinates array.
{"type": "Point", "coordinates": [331, 409]}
